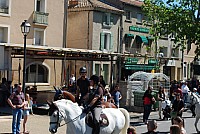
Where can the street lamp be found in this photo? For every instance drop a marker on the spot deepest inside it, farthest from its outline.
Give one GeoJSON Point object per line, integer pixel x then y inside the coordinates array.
{"type": "Point", "coordinates": [25, 28]}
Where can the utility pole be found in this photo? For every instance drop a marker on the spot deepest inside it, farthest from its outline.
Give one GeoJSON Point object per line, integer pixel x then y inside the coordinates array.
{"type": "Point", "coordinates": [63, 78]}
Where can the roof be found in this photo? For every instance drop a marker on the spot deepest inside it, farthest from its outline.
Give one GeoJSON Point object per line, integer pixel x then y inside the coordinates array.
{"type": "Point", "coordinates": [45, 52]}
{"type": "Point", "coordinates": [137, 3]}
{"type": "Point", "coordinates": [95, 4]}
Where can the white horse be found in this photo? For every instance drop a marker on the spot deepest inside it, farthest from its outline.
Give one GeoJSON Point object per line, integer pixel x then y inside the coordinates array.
{"type": "Point", "coordinates": [194, 99]}
{"type": "Point", "coordinates": [74, 118]}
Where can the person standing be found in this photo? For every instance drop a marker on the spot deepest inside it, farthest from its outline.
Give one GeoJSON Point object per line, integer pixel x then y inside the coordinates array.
{"type": "Point", "coordinates": [83, 84]}
{"type": "Point", "coordinates": [94, 102]}
{"type": "Point", "coordinates": [116, 95]}
{"type": "Point", "coordinates": [177, 107]}
{"type": "Point", "coordinates": [16, 101]}
{"type": "Point", "coordinates": [102, 82]}
{"type": "Point", "coordinates": [26, 113]}
{"type": "Point", "coordinates": [148, 100]}
{"type": "Point", "coordinates": [185, 91]}
{"type": "Point", "coordinates": [161, 99]}
{"type": "Point", "coordinates": [72, 83]}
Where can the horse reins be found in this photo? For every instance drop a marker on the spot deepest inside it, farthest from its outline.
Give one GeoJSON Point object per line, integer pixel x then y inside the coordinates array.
{"type": "Point", "coordinates": [72, 120]}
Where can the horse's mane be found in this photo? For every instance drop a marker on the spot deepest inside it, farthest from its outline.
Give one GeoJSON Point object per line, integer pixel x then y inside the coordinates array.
{"type": "Point", "coordinates": [59, 103]}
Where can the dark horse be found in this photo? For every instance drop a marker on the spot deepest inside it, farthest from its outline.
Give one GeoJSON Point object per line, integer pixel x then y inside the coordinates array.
{"type": "Point", "coordinates": [67, 95]}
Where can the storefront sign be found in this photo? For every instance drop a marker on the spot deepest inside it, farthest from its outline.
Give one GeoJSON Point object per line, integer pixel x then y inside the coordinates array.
{"type": "Point", "coordinates": [139, 29]}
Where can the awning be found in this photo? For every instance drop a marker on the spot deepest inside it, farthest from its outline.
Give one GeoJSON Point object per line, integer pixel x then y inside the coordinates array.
{"type": "Point", "coordinates": [140, 67]}
{"type": "Point", "coordinates": [129, 35]}
{"type": "Point", "coordinates": [143, 39]}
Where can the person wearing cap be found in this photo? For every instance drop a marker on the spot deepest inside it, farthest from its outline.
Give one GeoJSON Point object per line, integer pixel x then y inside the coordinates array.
{"type": "Point", "coordinates": [192, 108]}
{"type": "Point", "coordinates": [148, 100]}
{"type": "Point", "coordinates": [83, 84]}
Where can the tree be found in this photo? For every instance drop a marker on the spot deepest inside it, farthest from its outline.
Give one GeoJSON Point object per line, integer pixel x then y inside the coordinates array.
{"type": "Point", "coordinates": [179, 17]}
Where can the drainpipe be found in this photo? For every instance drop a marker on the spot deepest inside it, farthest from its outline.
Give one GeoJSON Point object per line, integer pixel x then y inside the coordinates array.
{"type": "Point", "coordinates": [120, 48]}
{"type": "Point", "coordinates": [64, 42]}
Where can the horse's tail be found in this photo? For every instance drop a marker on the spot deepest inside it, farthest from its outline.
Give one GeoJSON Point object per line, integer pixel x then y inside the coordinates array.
{"type": "Point", "coordinates": [127, 120]}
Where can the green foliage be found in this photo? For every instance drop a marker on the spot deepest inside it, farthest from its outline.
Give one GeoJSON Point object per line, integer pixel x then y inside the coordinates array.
{"type": "Point", "coordinates": [174, 16]}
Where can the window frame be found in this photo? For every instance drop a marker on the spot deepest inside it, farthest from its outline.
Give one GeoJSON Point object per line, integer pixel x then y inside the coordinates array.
{"type": "Point", "coordinates": [44, 37]}
{"type": "Point", "coordinates": [8, 3]}
{"type": "Point", "coordinates": [42, 5]}
{"type": "Point", "coordinates": [109, 46]}
{"type": "Point", "coordinates": [139, 21]}
{"type": "Point", "coordinates": [8, 33]}
{"type": "Point", "coordinates": [48, 75]}
{"type": "Point", "coordinates": [128, 15]}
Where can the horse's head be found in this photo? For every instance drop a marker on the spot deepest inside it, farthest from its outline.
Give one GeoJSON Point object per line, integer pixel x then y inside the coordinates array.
{"type": "Point", "coordinates": [58, 95]}
{"type": "Point", "coordinates": [55, 117]}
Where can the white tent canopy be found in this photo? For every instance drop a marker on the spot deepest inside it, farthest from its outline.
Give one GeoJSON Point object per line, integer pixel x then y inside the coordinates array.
{"type": "Point", "coordinates": [149, 79]}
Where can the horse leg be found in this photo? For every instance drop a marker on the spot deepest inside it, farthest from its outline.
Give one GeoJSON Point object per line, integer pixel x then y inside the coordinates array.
{"type": "Point", "coordinates": [195, 124]}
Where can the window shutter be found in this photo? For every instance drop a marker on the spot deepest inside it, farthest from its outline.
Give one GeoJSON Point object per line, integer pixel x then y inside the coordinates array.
{"type": "Point", "coordinates": [111, 19]}
{"type": "Point", "coordinates": [111, 43]}
{"type": "Point", "coordinates": [102, 41]}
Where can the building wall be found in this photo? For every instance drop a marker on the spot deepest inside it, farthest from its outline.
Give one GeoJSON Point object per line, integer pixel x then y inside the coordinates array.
{"type": "Point", "coordinates": [78, 29]}
{"type": "Point", "coordinates": [23, 10]}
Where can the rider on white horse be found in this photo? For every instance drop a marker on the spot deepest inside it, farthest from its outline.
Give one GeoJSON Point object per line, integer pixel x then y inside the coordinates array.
{"type": "Point", "coordinates": [94, 102]}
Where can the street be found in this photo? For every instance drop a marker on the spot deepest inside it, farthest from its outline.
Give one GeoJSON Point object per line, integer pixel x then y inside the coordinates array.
{"type": "Point", "coordinates": [164, 126]}
{"type": "Point", "coordinates": [38, 124]}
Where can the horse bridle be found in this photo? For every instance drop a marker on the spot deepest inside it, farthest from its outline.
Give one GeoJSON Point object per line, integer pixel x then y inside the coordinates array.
{"type": "Point", "coordinates": [57, 122]}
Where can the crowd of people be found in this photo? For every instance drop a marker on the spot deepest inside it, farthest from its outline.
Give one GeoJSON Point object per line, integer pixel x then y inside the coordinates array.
{"type": "Point", "coordinates": [178, 95]}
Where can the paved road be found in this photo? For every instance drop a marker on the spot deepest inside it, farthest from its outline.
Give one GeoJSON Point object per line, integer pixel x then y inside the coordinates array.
{"type": "Point", "coordinates": [163, 126]}
{"type": "Point", "coordinates": [36, 125]}
{"type": "Point", "coordinates": [39, 124]}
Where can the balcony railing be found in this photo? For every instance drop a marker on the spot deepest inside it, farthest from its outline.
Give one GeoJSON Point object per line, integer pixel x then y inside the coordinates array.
{"type": "Point", "coordinates": [40, 17]}
{"type": "Point", "coordinates": [133, 50]}
{"type": "Point", "coordinates": [4, 10]}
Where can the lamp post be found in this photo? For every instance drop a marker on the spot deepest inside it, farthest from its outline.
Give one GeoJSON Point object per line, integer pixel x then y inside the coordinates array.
{"type": "Point", "coordinates": [25, 28]}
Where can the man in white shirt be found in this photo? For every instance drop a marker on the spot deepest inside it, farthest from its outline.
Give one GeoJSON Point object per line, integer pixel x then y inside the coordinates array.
{"type": "Point", "coordinates": [185, 91]}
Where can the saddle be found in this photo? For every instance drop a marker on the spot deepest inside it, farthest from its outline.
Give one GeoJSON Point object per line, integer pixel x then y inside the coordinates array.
{"type": "Point", "coordinates": [103, 120]}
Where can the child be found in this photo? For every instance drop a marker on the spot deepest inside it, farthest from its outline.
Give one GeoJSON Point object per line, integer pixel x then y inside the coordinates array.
{"type": "Point", "coordinates": [26, 112]}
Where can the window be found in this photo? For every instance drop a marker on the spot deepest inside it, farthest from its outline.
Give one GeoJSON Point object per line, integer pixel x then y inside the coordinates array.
{"type": "Point", "coordinates": [106, 41]}
{"type": "Point", "coordinates": [164, 33]}
{"type": "Point", "coordinates": [107, 19]}
{"type": "Point", "coordinates": [128, 15]}
{"type": "Point", "coordinates": [4, 6]}
{"type": "Point", "coordinates": [139, 18]}
{"type": "Point", "coordinates": [3, 34]}
{"type": "Point", "coordinates": [40, 5]}
{"type": "Point", "coordinates": [37, 73]}
{"type": "Point", "coordinates": [39, 36]}
{"type": "Point", "coordinates": [175, 52]}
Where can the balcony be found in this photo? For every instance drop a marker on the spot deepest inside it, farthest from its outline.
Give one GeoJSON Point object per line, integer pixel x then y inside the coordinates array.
{"type": "Point", "coordinates": [40, 18]}
{"type": "Point", "coordinates": [4, 10]}
{"type": "Point", "coordinates": [133, 50]}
